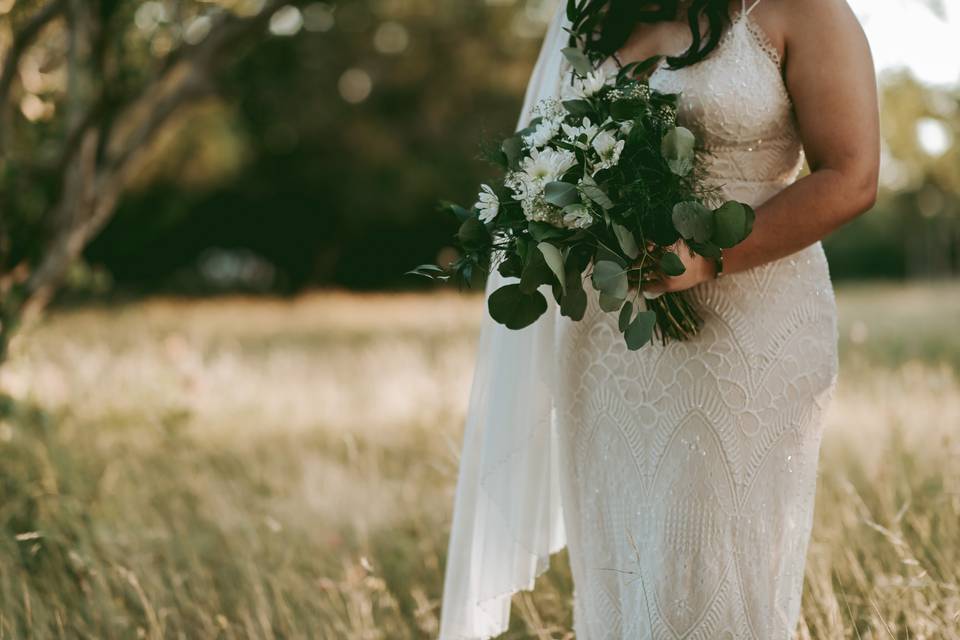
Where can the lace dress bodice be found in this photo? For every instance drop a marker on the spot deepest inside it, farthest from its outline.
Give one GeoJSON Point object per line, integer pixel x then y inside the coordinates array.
{"type": "Point", "coordinates": [689, 470]}
{"type": "Point", "coordinates": [737, 106]}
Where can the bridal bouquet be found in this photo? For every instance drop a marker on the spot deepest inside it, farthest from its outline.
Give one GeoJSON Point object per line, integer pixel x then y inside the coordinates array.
{"type": "Point", "coordinates": [603, 185]}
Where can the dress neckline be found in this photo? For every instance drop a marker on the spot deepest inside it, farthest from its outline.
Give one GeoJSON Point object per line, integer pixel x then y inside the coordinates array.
{"type": "Point", "coordinates": [758, 36]}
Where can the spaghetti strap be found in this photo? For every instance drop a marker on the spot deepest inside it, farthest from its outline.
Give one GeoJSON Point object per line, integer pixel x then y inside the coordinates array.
{"type": "Point", "coordinates": [746, 10]}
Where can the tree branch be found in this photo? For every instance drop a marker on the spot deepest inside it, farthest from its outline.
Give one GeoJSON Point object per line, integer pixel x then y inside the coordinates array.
{"type": "Point", "coordinates": [88, 202]}
{"type": "Point", "coordinates": [21, 42]}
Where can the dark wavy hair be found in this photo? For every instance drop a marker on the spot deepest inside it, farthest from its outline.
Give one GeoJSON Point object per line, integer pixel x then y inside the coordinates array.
{"type": "Point", "coordinates": [602, 27]}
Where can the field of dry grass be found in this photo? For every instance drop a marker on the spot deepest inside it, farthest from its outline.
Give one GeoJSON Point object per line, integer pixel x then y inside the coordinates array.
{"type": "Point", "coordinates": [242, 468]}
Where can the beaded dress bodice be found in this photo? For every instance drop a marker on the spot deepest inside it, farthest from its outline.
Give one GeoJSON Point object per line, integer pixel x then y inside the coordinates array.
{"type": "Point", "coordinates": [689, 469]}
{"type": "Point", "coordinates": [737, 106]}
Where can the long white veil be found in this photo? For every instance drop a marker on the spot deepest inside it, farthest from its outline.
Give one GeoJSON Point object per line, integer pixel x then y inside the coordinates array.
{"type": "Point", "coordinates": [507, 516]}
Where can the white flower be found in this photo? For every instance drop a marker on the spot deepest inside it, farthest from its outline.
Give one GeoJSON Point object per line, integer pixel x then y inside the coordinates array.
{"type": "Point", "coordinates": [548, 165]}
{"type": "Point", "coordinates": [488, 204]}
{"type": "Point", "coordinates": [626, 127]}
{"type": "Point", "coordinates": [608, 148]}
{"type": "Point", "coordinates": [542, 134]}
{"type": "Point", "coordinates": [520, 183]}
{"type": "Point", "coordinates": [578, 218]}
{"type": "Point", "coordinates": [573, 133]}
{"type": "Point", "coordinates": [587, 87]}
{"type": "Point", "coordinates": [550, 109]}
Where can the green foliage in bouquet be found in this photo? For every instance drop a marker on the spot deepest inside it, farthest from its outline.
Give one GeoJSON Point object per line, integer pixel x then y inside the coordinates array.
{"type": "Point", "coordinates": [602, 185]}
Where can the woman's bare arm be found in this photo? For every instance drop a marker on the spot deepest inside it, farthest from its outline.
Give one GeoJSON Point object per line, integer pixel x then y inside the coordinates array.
{"type": "Point", "coordinates": [830, 77]}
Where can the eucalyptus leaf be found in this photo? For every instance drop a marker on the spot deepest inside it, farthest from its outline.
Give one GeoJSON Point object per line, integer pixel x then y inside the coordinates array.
{"type": "Point", "coordinates": [536, 272]}
{"type": "Point", "coordinates": [627, 242]}
{"type": "Point", "coordinates": [733, 222]}
{"type": "Point", "coordinates": [677, 148]}
{"type": "Point", "coordinates": [561, 194]}
{"type": "Point", "coordinates": [578, 60]}
{"type": "Point", "coordinates": [511, 266]}
{"type": "Point", "coordinates": [707, 249]}
{"type": "Point", "coordinates": [458, 211]}
{"type": "Point", "coordinates": [513, 148]}
{"type": "Point", "coordinates": [693, 221]}
{"type": "Point", "coordinates": [515, 309]}
{"type": "Point", "coordinates": [672, 264]}
{"type": "Point", "coordinates": [541, 231]}
{"type": "Point", "coordinates": [638, 68]}
{"type": "Point", "coordinates": [592, 190]}
{"type": "Point", "coordinates": [555, 261]}
{"type": "Point", "coordinates": [574, 302]}
{"type": "Point", "coordinates": [610, 278]}
{"type": "Point", "coordinates": [473, 235]}
{"type": "Point", "coordinates": [625, 314]}
{"type": "Point", "coordinates": [578, 108]}
{"type": "Point", "coordinates": [609, 303]}
{"type": "Point", "coordinates": [640, 330]}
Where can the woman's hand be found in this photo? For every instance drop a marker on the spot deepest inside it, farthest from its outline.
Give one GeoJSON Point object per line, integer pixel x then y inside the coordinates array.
{"type": "Point", "coordinates": [698, 270]}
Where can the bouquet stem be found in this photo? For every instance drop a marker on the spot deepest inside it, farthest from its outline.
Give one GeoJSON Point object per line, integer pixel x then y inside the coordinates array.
{"type": "Point", "coordinates": [677, 318]}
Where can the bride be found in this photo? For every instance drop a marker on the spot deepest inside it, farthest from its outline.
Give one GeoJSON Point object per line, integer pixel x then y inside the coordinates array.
{"type": "Point", "coordinates": [681, 477]}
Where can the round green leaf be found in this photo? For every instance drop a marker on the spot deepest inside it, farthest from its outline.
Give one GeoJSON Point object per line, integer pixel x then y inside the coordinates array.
{"type": "Point", "coordinates": [594, 192]}
{"type": "Point", "coordinates": [578, 60]}
{"type": "Point", "coordinates": [693, 221]}
{"type": "Point", "coordinates": [514, 309]}
{"type": "Point", "coordinates": [473, 236]}
{"type": "Point", "coordinates": [512, 148]}
{"type": "Point", "coordinates": [610, 278]}
{"type": "Point", "coordinates": [733, 222]}
{"type": "Point", "coordinates": [578, 108]}
{"type": "Point", "coordinates": [536, 272]}
{"type": "Point", "coordinates": [574, 302]}
{"type": "Point", "coordinates": [640, 331]}
{"type": "Point", "coordinates": [554, 260]}
{"type": "Point", "coordinates": [627, 242]}
{"type": "Point", "coordinates": [609, 303]}
{"type": "Point", "coordinates": [625, 313]}
{"type": "Point", "coordinates": [677, 148]}
{"type": "Point", "coordinates": [541, 231]}
{"type": "Point", "coordinates": [672, 264]}
{"type": "Point", "coordinates": [560, 194]}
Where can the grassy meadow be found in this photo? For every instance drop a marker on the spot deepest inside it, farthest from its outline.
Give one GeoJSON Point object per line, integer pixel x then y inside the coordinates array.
{"type": "Point", "coordinates": [248, 468]}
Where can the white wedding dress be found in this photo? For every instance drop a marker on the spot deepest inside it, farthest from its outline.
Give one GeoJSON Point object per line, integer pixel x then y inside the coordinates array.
{"type": "Point", "coordinates": [689, 491]}
{"type": "Point", "coordinates": [681, 478]}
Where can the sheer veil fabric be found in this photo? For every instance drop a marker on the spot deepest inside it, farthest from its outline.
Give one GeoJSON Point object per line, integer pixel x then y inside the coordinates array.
{"type": "Point", "coordinates": [507, 515]}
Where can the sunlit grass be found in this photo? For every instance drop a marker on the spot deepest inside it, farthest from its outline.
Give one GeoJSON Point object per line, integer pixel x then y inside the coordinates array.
{"type": "Point", "coordinates": [240, 468]}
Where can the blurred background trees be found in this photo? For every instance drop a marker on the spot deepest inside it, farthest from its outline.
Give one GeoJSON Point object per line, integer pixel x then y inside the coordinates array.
{"type": "Point", "coordinates": [310, 146]}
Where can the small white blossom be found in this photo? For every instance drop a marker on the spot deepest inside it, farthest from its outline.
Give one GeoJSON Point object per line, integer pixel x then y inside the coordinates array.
{"type": "Point", "coordinates": [579, 218]}
{"type": "Point", "coordinates": [550, 109]}
{"type": "Point", "coordinates": [488, 204]}
{"type": "Point", "coordinates": [582, 88]}
{"type": "Point", "coordinates": [573, 133]}
{"type": "Point", "coordinates": [608, 148]}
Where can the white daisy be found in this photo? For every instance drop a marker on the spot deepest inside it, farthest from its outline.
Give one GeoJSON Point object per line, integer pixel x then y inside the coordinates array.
{"type": "Point", "coordinates": [488, 204]}
{"type": "Point", "coordinates": [542, 134]}
{"type": "Point", "coordinates": [573, 133]}
{"type": "Point", "coordinates": [582, 88]}
{"type": "Point", "coordinates": [548, 165]}
{"type": "Point", "coordinates": [608, 148]}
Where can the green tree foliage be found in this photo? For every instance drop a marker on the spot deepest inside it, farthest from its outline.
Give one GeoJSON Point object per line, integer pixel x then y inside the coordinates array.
{"type": "Point", "coordinates": [86, 88]}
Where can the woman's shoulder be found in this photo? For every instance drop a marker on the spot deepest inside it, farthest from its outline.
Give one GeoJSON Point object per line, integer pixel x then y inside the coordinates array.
{"type": "Point", "coordinates": [787, 21]}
